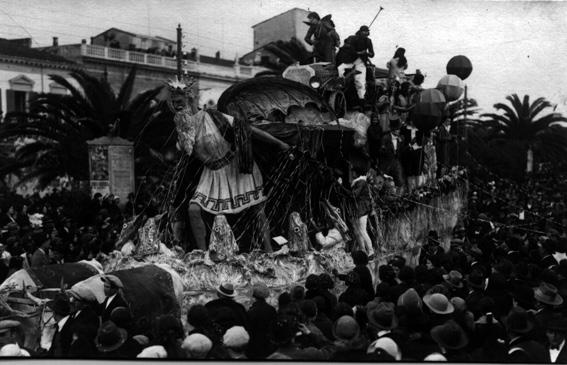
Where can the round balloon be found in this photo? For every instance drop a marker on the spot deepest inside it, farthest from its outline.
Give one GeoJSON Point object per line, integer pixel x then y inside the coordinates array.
{"type": "Point", "coordinates": [429, 110]}
{"type": "Point", "coordinates": [451, 86]}
{"type": "Point", "coordinates": [460, 66]}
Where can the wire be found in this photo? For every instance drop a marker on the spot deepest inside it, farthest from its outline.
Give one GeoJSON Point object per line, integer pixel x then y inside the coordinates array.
{"type": "Point", "coordinates": [19, 25]}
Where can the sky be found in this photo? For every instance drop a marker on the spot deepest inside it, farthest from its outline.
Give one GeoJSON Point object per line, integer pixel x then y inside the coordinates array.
{"type": "Point", "coordinates": [514, 46]}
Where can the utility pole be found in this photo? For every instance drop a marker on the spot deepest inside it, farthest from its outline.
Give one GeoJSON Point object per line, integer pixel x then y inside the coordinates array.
{"type": "Point", "coordinates": [179, 55]}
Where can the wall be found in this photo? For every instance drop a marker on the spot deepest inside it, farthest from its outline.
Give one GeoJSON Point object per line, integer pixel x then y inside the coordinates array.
{"type": "Point", "coordinates": [282, 27]}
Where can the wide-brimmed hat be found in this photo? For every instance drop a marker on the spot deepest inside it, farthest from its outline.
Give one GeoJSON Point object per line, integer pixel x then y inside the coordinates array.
{"type": "Point", "coordinates": [519, 321]}
{"type": "Point", "coordinates": [13, 350]}
{"type": "Point", "coordinates": [197, 343]}
{"type": "Point", "coordinates": [226, 290]}
{"type": "Point", "coordinates": [153, 352]}
{"type": "Point", "coordinates": [346, 328]}
{"type": "Point", "coordinates": [382, 316]}
{"type": "Point", "coordinates": [387, 345]}
{"type": "Point", "coordinates": [235, 337]}
{"type": "Point", "coordinates": [110, 337]}
{"type": "Point", "coordinates": [548, 294]}
{"type": "Point", "coordinates": [454, 279]}
{"type": "Point", "coordinates": [449, 335]}
{"type": "Point", "coordinates": [8, 324]}
{"type": "Point", "coordinates": [113, 281]}
{"type": "Point", "coordinates": [60, 305]}
{"type": "Point", "coordinates": [438, 303]}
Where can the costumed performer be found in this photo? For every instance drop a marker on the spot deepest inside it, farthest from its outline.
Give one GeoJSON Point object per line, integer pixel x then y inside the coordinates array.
{"type": "Point", "coordinates": [231, 181]}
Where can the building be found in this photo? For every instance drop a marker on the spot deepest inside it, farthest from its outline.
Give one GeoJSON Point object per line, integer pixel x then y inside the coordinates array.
{"type": "Point", "coordinates": [113, 53]}
{"type": "Point", "coordinates": [283, 27]}
{"type": "Point", "coordinates": [25, 71]}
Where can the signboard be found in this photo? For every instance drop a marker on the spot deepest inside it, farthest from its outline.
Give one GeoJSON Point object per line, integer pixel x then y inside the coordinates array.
{"type": "Point", "coordinates": [111, 167]}
{"type": "Point", "coordinates": [121, 162]}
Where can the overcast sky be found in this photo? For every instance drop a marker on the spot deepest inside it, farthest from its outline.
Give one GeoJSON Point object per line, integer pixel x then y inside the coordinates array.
{"type": "Point", "coordinates": [515, 47]}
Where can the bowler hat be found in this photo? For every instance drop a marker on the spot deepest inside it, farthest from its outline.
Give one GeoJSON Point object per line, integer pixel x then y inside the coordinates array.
{"type": "Point", "coordinates": [454, 279]}
{"type": "Point", "coordinates": [382, 316]}
{"type": "Point", "coordinates": [346, 328]}
{"type": "Point", "coordinates": [226, 290]}
{"type": "Point", "coordinates": [110, 337]}
{"type": "Point", "coordinates": [260, 290]}
{"type": "Point", "coordinates": [113, 281]}
{"type": "Point", "coordinates": [449, 335]}
{"type": "Point", "coordinates": [519, 321]}
{"type": "Point", "coordinates": [548, 294]}
{"type": "Point", "coordinates": [60, 305]}
{"type": "Point", "coordinates": [438, 303]}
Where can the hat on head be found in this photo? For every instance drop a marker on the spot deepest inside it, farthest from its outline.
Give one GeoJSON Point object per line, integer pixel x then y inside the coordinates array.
{"type": "Point", "coordinates": [435, 357]}
{"type": "Point", "coordinates": [13, 350]}
{"type": "Point", "coordinates": [153, 352]}
{"type": "Point", "coordinates": [313, 14]}
{"type": "Point", "coordinates": [197, 344]}
{"type": "Point", "coordinates": [226, 290]}
{"type": "Point", "coordinates": [260, 290]}
{"type": "Point", "coordinates": [454, 279]}
{"type": "Point", "coordinates": [524, 296]}
{"type": "Point", "coordinates": [236, 337]}
{"type": "Point", "coordinates": [438, 303]}
{"type": "Point", "coordinates": [519, 321]}
{"type": "Point", "coordinates": [110, 337]}
{"type": "Point", "coordinates": [387, 345]}
{"type": "Point", "coordinates": [410, 300]}
{"type": "Point", "coordinates": [60, 305]}
{"type": "Point", "coordinates": [8, 324]}
{"type": "Point", "coordinates": [476, 280]}
{"type": "Point", "coordinates": [346, 328]}
{"type": "Point", "coordinates": [459, 304]}
{"type": "Point", "coordinates": [113, 281]}
{"type": "Point", "coordinates": [382, 316]}
{"type": "Point", "coordinates": [364, 28]}
{"type": "Point", "coordinates": [557, 322]}
{"type": "Point", "coordinates": [548, 294]}
{"type": "Point", "coordinates": [449, 335]}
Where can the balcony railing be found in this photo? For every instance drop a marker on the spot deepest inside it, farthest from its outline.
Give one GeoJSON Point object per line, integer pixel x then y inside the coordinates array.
{"type": "Point", "coordinates": [161, 61]}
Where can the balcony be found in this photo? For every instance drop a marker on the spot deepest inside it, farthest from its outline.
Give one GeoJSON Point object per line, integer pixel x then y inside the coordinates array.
{"type": "Point", "coordinates": [122, 55]}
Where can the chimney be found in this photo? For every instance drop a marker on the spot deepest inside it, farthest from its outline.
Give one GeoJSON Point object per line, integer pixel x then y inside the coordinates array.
{"type": "Point", "coordinates": [92, 40]}
{"type": "Point", "coordinates": [55, 41]}
{"type": "Point", "coordinates": [83, 41]}
{"type": "Point", "coordinates": [217, 55]}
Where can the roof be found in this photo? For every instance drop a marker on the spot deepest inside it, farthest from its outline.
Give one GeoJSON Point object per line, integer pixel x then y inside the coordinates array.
{"type": "Point", "coordinates": [275, 16]}
{"type": "Point", "coordinates": [136, 35]}
{"type": "Point", "coordinates": [15, 51]}
{"type": "Point", "coordinates": [216, 61]}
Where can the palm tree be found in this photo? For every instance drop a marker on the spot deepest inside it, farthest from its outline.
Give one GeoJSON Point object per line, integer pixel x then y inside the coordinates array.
{"type": "Point", "coordinates": [520, 133]}
{"type": "Point", "coordinates": [60, 126]}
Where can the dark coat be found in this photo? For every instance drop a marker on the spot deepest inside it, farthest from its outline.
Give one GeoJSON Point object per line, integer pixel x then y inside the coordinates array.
{"type": "Point", "coordinates": [129, 350]}
{"type": "Point", "coordinates": [526, 350]}
{"type": "Point", "coordinates": [39, 258]}
{"type": "Point", "coordinates": [561, 359]}
{"type": "Point", "coordinates": [261, 319]}
{"type": "Point", "coordinates": [227, 313]}
{"type": "Point", "coordinates": [105, 311]}
{"type": "Point", "coordinates": [62, 340]}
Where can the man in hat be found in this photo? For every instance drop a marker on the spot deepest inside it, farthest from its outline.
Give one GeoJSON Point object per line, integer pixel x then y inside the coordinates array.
{"type": "Point", "coordinates": [556, 333]}
{"type": "Point", "coordinates": [225, 311]}
{"type": "Point", "coordinates": [390, 146]}
{"type": "Point", "coordinates": [322, 36]}
{"type": "Point", "coordinates": [261, 319]}
{"type": "Point", "coordinates": [114, 342]}
{"type": "Point", "coordinates": [62, 338]}
{"type": "Point", "coordinates": [113, 291]}
{"type": "Point", "coordinates": [197, 346]}
{"type": "Point", "coordinates": [521, 347]}
{"type": "Point", "coordinates": [452, 341]}
{"type": "Point", "coordinates": [356, 52]}
{"type": "Point", "coordinates": [235, 340]}
{"type": "Point", "coordinates": [82, 310]}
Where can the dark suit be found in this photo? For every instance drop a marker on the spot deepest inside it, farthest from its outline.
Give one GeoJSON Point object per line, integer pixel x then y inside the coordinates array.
{"type": "Point", "coordinates": [561, 359]}
{"type": "Point", "coordinates": [87, 317]}
{"type": "Point", "coordinates": [227, 313]}
{"type": "Point", "coordinates": [261, 319]}
{"type": "Point", "coordinates": [62, 340]}
{"type": "Point", "coordinates": [388, 160]}
{"type": "Point", "coordinates": [526, 350]}
{"type": "Point", "coordinates": [106, 311]}
{"type": "Point", "coordinates": [39, 258]}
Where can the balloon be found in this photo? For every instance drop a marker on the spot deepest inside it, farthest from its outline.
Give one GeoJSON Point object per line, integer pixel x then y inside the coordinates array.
{"type": "Point", "coordinates": [429, 110]}
{"type": "Point", "coordinates": [460, 66]}
{"type": "Point", "coordinates": [451, 86]}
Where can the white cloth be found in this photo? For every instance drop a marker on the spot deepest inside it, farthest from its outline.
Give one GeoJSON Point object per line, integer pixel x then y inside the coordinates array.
{"type": "Point", "coordinates": [359, 79]}
{"type": "Point", "coordinates": [553, 354]}
{"type": "Point", "coordinates": [333, 237]}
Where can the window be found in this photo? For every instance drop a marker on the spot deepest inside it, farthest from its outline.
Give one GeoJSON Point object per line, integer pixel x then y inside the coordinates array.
{"type": "Point", "coordinates": [18, 94]}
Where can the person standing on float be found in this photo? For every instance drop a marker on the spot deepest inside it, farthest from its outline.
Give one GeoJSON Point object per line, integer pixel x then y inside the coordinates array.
{"type": "Point", "coordinates": [224, 186]}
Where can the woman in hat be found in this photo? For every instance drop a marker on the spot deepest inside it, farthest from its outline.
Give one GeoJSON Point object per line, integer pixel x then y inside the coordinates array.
{"type": "Point", "coordinates": [231, 181]}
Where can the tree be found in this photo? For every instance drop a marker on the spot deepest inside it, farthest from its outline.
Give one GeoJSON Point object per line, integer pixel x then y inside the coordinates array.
{"type": "Point", "coordinates": [519, 130]}
{"type": "Point", "coordinates": [60, 126]}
